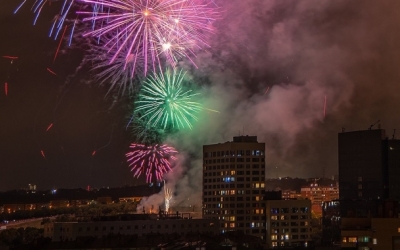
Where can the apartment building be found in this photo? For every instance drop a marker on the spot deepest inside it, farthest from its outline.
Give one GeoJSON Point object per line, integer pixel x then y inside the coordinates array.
{"type": "Point", "coordinates": [234, 184]}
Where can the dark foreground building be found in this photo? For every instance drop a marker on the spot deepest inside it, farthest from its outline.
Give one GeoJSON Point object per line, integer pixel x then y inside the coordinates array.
{"type": "Point", "coordinates": [369, 165]}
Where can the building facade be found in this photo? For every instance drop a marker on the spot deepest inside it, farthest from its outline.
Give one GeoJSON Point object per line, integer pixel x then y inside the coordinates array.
{"type": "Point", "coordinates": [137, 224]}
{"type": "Point", "coordinates": [371, 233]}
{"type": "Point", "coordinates": [288, 223]}
{"type": "Point", "coordinates": [369, 165]}
{"type": "Point", "coordinates": [318, 195]}
{"type": "Point", "coordinates": [234, 184]}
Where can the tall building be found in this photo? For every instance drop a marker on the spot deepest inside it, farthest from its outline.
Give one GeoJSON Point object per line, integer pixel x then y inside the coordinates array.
{"type": "Point", "coordinates": [369, 165]}
{"type": "Point", "coordinates": [234, 185]}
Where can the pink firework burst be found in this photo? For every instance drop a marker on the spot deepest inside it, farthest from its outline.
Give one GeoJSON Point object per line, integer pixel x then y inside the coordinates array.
{"type": "Point", "coordinates": [157, 30]}
{"type": "Point", "coordinates": [153, 160]}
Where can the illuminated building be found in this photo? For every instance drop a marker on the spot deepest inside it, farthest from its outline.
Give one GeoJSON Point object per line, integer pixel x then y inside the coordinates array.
{"type": "Point", "coordinates": [234, 184]}
{"type": "Point", "coordinates": [318, 194]}
{"type": "Point", "coordinates": [288, 223]}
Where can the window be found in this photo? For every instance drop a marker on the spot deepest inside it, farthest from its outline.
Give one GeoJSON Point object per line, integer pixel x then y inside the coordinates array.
{"type": "Point", "coordinates": [274, 237]}
{"type": "Point", "coordinates": [285, 210]}
{"type": "Point", "coordinates": [352, 239]}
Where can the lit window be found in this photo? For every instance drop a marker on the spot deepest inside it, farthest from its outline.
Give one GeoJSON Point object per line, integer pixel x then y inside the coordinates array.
{"type": "Point", "coordinates": [374, 241]}
{"type": "Point", "coordinates": [398, 229]}
{"type": "Point", "coordinates": [353, 239]}
{"type": "Point", "coordinates": [274, 244]}
{"type": "Point", "coordinates": [274, 217]}
{"type": "Point", "coordinates": [274, 237]}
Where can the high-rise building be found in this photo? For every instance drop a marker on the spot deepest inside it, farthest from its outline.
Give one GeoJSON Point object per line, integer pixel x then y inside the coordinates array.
{"type": "Point", "coordinates": [369, 165]}
{"type": "Point", "coordinates": [234, 185]}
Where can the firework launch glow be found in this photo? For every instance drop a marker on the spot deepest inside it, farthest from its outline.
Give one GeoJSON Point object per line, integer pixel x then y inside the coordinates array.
{"type": "Point", "coordinates": [165, 103]}
{"type": "Point", "coordinates": [152, 29]}
{"type": "Point", "coordinates": [152, 161]}
{"type": "Point", "coordinates": [167, 197]}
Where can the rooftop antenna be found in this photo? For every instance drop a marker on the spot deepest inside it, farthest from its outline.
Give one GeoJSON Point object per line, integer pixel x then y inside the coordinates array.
{"type": "Point", "coordinates": [370, 127]}
{"type": "Point", "coordinates": [394, 133]}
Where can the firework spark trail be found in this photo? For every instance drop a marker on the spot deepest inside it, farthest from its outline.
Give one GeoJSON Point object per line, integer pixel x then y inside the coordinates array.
{"type": "Point", "coordinates": [11, 57]}
{"type": "Point", "coordinates": [59, 44]}
{"type": "Point", "coordinates": [164, 102]}
{"type": "Point", "coordinates": [58, 20]}
{"type": "Point", "coordinates": [325, 106]}
{"type": "Point", "coordinates": [266, 91]}
{"type": "Point", "coordinates": [49, 127]}
{"type": "Point", "coordinates": [6, 88]}
{"type": "Point", "coordinates": [52, 72]}
{"type": "Point", "coordinates": [152, 161]}
{"type": "Point", "coordinates": [143, 25]}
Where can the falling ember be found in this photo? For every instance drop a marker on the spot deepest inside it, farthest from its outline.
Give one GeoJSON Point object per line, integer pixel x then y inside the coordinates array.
{"type": "Point", "coordinates": [6, 88]}
{"type": "Point", "coordinates": [42, 152]}
{"type": "Point", "coordinates": [93, 153]}
{"type": "Point", "coordinates": [59, 44]}
{"type": "Point", "coordinates": [51, 71]}
{"type": "Point", "coordinates": [49, 127]}
{"type": "Point", "coordinates": [11, 57]}
{"type": "Point", "coordinates": [325, 107]}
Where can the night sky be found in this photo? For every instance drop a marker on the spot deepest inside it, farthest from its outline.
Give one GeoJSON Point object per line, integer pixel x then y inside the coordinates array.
{"type": "Point", "coordinates": [300, 51]}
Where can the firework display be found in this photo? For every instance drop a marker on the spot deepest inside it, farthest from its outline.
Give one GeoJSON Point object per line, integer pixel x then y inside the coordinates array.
{"type": "Point", "coordinates": [165, 103]}
{"type": "Point", "coordinates": [152, 29]}
{"type": "Point", "coordinates": [123, 41]}
{"type": "Point", "coordinates": [152, 161]}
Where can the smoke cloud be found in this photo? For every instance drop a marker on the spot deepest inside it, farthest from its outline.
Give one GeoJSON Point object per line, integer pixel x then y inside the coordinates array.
{"type": "Point", "coordinates": [269, 69]}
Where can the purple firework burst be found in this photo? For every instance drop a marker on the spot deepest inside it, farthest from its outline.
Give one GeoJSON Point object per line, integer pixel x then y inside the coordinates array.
{"type": "Point", "coordinates": [153, 161]}
{"type": "Point", "coordinates": [155, 30]}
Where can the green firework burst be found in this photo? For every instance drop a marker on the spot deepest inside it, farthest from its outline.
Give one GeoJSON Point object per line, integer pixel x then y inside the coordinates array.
{"type": "Point", "coordinates": [164, 103]}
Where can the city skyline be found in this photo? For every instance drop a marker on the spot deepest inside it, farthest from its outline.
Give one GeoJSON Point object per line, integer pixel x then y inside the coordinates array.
{"type": "Point", "coordinates": [284, 62]}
